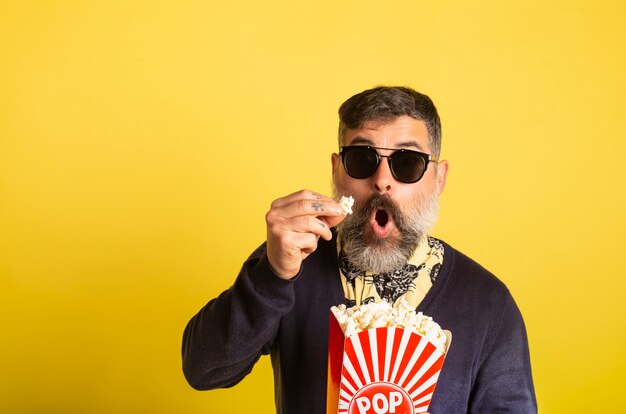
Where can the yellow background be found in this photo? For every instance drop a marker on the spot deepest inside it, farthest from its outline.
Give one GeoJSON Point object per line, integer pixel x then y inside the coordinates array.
{"type": "Point", "coordinates": [141, 143]}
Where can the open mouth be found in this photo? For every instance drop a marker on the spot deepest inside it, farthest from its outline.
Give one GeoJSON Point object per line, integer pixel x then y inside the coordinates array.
{"type": "Point", "coordinates": [381, 223]}
{"type": "Point", "coordinates": [382, 218]}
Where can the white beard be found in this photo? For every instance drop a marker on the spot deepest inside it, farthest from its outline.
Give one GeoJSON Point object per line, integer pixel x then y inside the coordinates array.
{"type": "Point", "coordinates": [369, 253]}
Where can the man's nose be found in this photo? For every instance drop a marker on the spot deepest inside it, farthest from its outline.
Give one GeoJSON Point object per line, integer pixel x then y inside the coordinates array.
{"type": "Point", "coordinates": [383, 179]}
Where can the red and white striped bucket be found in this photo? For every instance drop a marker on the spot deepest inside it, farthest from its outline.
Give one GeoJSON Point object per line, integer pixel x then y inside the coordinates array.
{"type": "Point", "coordinates": [381, 370]}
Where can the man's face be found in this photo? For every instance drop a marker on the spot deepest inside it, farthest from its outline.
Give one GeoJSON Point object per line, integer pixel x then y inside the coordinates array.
{"type": "Point", "coordinates": [390, 217]}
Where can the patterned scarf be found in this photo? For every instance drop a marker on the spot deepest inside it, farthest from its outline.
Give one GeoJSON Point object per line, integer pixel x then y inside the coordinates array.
{"type": "Point", "coordinates": [411, 282]}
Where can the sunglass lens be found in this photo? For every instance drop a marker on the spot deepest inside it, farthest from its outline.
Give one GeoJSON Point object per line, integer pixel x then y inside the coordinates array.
{"type": "Point", "coordinates": [407, 167]}
{"type": "Point", "coordinates": [360, 162]}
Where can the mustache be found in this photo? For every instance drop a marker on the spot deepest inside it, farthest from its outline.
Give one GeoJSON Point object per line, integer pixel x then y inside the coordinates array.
{"type": "Point", "coordinates": [369, 253]}
{"type": "Point", "coordinates": [363, 211]}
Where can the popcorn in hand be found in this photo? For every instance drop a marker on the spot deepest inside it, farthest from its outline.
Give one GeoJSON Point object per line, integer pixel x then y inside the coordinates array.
{"type": "Point", "coordinates": [346, 204]}
{"type": "Point", "coordinates": [383, 315]}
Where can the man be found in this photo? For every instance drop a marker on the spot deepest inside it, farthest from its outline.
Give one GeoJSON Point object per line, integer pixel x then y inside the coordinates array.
{"type": "Point", "coordinates": [316, 257]}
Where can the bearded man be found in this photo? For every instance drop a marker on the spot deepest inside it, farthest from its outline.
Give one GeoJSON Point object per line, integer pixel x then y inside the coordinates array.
{"type": "Point", "coordinates": [316, 257]}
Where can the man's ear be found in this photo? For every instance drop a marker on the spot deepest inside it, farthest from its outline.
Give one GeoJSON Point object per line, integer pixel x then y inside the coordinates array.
{"type": "Point", "coordinates": [442, 175]}
{"type": "Point", "coordinates": [335, 160]}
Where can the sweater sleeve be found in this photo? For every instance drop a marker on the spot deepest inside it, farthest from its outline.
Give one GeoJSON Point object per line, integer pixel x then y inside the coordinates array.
{"type": "Point", "coordinates": [224, 340]}
{"type": "Point", "coordinates": [503, 382]}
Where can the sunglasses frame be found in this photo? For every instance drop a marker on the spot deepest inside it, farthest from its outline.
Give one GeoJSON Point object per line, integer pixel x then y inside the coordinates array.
{"type": "Point", "coordinates": [426, 157]}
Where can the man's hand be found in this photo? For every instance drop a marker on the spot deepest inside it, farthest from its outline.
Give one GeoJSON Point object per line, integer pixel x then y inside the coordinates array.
{"type": "Point", "coordinates": [294, 225]}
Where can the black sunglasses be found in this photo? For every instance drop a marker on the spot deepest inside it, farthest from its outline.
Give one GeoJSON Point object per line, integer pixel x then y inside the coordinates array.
{"type": "Point", "coordinates": [407, 166]}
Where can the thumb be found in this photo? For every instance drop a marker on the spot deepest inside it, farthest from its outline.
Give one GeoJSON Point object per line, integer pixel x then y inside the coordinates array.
{"type": "Point", "coordinates": [332, 221]}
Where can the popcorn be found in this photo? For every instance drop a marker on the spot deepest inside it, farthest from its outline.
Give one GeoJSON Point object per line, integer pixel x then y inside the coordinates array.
{"type": "Point", "coordinates": [383, 359]}
{"type": "Point", "coordinates": [383, 315]}
{"type": "Point", "coordinates": [346, 204]}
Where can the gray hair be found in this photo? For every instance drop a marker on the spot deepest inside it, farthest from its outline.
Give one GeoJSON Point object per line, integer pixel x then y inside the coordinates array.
{"type": "Point", "coordinates": [386, 103]}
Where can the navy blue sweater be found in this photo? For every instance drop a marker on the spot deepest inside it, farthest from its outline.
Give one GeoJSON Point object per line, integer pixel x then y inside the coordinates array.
{"type": "Point", "coordinates": [487, 369]}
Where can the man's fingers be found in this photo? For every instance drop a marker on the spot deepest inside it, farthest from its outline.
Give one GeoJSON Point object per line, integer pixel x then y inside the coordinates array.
{"type": "Point", "coordinates": [300, 195]}
{"type": "Point", "coordinates": [286, 253]}
{"type": "Point", "coordinates": [308, 207]}
{"type": "Point", "coordinates": [310, 224]}
{"type": "Point", "coordinates": [303, 224]}
{"type": "Point", "coordinates": [294, 225]}
{"type": "Point", "coordinates": [294, 245]}
{"type": "Point", "coordinates": [307, 245]}
{"type": "Point", "coordinates": [332, 221]}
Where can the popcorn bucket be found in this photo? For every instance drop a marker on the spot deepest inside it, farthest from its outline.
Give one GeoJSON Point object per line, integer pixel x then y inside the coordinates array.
{"type": "Point", "coordinates": [381, 370]}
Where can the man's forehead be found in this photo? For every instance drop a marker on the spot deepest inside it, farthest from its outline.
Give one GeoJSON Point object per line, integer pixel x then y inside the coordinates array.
{"type": "Point", "coordinates": [401, 132]}
{"type": "Point", "coordinates": [378, 123]}
{"type": "Point", "coordinates": [375, 124]}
